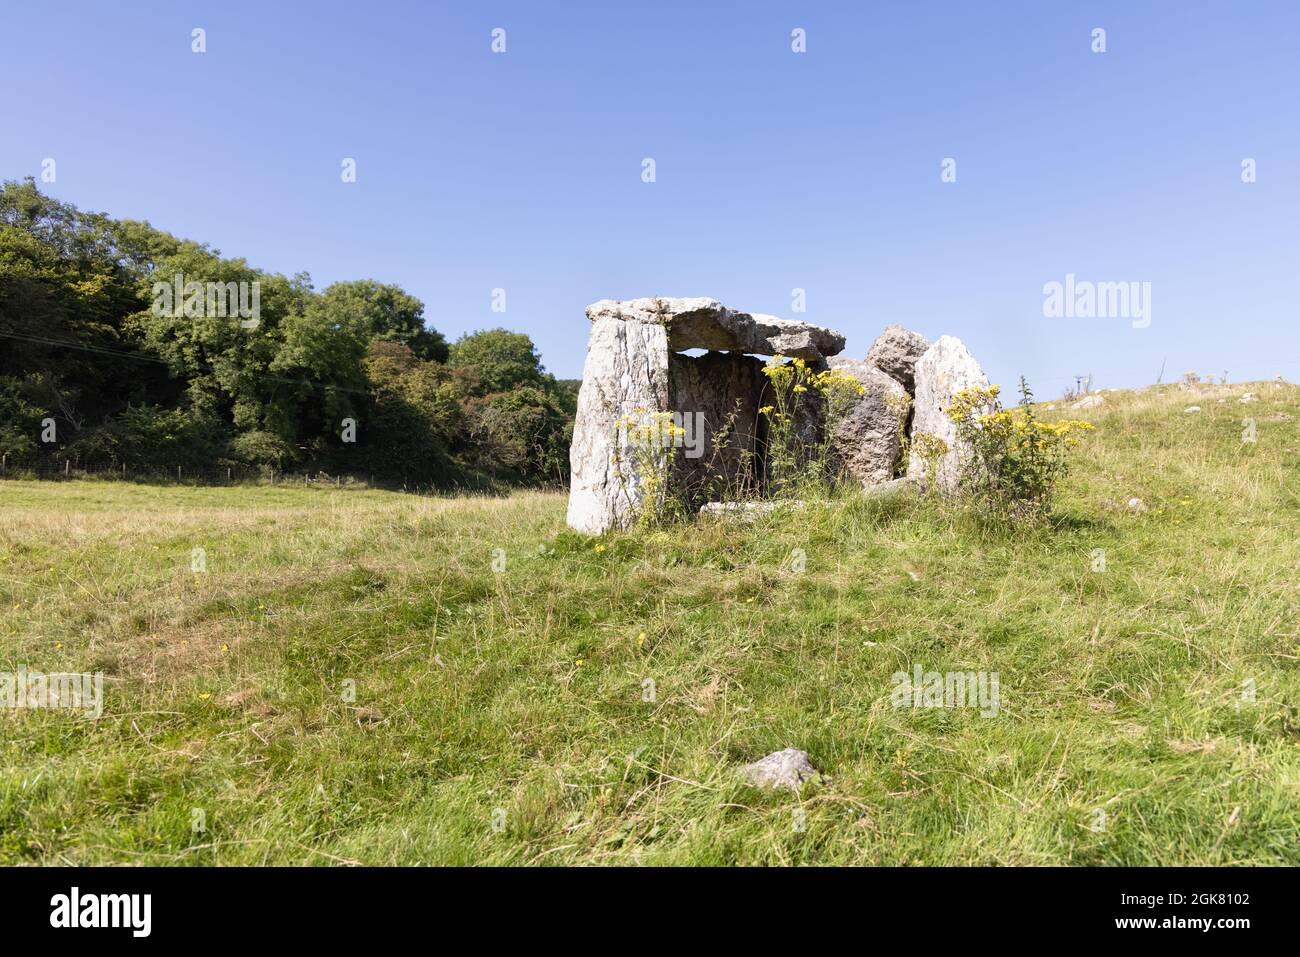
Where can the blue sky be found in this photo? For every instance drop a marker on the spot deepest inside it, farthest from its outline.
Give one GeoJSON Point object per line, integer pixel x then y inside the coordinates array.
{"type": "Point", "coordinates": [775, 170]}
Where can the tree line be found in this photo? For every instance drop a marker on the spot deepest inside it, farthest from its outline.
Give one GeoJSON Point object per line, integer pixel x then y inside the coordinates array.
{"type": "Point", "coordinates": [121, 344]}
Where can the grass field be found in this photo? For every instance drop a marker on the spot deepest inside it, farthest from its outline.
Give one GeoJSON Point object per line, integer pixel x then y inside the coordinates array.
{"type": "Point", "coordinates": [499, 714]}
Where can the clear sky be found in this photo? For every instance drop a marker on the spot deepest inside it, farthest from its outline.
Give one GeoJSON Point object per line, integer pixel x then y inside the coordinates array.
{"type": "Point", "coordinates": [775, 170]}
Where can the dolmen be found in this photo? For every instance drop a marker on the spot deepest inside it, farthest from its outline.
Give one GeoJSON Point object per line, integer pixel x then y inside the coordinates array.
{"type": "Point", "coordinates": [638, 367]}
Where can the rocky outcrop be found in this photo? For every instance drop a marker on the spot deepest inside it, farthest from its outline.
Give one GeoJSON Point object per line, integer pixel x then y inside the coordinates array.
{"type": "Point", "coordinates": [867, 440]}
{"type": "Point", "coordinates": [895, 352]}
{"type": "Point", "coordinates": [942, 371]}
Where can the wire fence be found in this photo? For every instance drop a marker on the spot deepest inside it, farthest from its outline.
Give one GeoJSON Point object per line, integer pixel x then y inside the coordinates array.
{"type": "Point", "coordinates": [219, 475]}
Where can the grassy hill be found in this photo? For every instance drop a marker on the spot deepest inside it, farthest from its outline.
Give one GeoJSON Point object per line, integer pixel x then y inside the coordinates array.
{"type": "Point", "coordinates": [499, 713]}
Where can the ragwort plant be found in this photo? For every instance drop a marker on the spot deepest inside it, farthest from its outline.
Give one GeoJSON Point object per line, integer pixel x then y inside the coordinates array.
{"type": "Point", "coordinates": [1015, 460]}
{"type": "Point", "coordinates": [652, 438]}
{"type": "Point", "coordinates": [800, 459]}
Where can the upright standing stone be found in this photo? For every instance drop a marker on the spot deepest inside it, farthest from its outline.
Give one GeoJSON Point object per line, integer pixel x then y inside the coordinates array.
{"type": "Point", "coordinates": [944, 370]}
{"type": "Point", "coordinates": [626, 374]}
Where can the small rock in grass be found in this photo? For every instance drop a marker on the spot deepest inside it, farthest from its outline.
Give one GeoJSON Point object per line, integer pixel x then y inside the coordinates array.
{"type": "Point", "coordinates": [886, 489]}
{"type": "Point", "coordinates": [1248, 397]}
{"type": "Point", "coordinates": [749, 511]}
{"type": "Point", "coordinates": [781, 769]}
{"type": "Point", "coordinates": [1192, 408]}
{"type": "Point", "coordinates": [1137, 505]}
{"type": "Point", "coordinates": [1089, 402]}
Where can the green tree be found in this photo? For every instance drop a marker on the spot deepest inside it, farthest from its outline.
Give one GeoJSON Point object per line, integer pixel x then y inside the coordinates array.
{"type": "Point", "coordinates": [500, 359]}
{"type": "Point", "coordinates": [389, 313]}
{"type": "Point", "coordinates": [63, 294]}
{"type": "Point", "coordinates": [95, 334]}
{"type": "Point", "coordinates": [415, 417]}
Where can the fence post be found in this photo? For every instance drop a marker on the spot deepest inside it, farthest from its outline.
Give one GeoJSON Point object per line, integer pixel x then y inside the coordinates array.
{"type": "Point", "coordinates": [227, 473]}
{"type": "Point", "coordinates": [67, 467]}
{"type": "Point", "coordinates": [178, 473]}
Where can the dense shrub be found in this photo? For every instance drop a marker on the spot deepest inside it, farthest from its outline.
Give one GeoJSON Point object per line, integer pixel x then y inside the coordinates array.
{"type": "Point", "coordinates": [151, 439]}
{"type": "Point", "coordinates": [262, 449]}
{"type": "Point", "coordinates": [20, 420]}
{"type": "Point", "coordinates": [524, 430]}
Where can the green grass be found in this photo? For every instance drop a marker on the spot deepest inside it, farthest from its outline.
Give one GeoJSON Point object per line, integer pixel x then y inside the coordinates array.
{"type": "Point", "coordinates": [521, 690]}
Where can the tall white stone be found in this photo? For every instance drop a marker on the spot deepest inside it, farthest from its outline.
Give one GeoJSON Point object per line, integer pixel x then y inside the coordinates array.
{"type": "Point", "coordinates": [625, 375]}
{"type": "Point", "coordinates": [943, 370]}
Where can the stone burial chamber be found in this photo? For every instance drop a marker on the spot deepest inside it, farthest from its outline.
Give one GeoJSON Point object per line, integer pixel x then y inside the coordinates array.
{"type": "Point", "coordinates": [636, 369]}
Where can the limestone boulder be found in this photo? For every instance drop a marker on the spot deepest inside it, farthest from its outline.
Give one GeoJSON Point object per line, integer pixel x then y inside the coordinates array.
{"type": "Point", "coordinates": [781, 769]}
{"type": "Point", "coordinates": [702, 323]}
{"type": "Point", "coordinates": [945, 369]}
{"type": "Point", "coordinates": [867, 440]}
{"type": "Point", "coordinates": [625, 374]}
{"type": "Point", "coordinates": [895, 352]}
{"type": "Point", "coordinates": [750, 512]}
